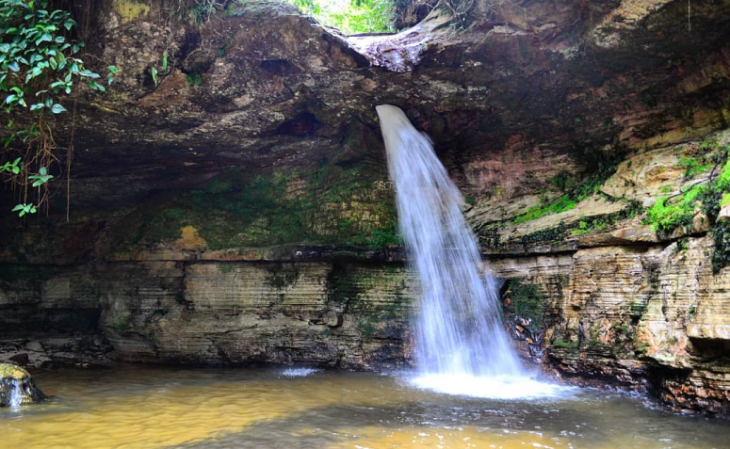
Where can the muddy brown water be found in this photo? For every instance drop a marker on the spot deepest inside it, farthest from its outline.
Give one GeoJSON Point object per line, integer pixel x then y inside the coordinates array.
{"type": "Point", "coordinates": [150, 407]}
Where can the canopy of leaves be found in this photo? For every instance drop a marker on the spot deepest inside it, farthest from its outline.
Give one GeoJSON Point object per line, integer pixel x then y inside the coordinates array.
{"type": "Point", "coordinates": [352, 16]}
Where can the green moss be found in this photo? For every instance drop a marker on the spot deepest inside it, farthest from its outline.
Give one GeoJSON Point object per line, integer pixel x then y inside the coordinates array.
{"type": "Point", "coordinates": [329, 205]}
{"type": "Point", "coordinates": [562, 204]}
{"type": "Point", "coordinates": [721, 253]}
{"type": "Point", "coordinates": [545, 235]}
{"type": "Point", "coordinates": [564, 344]}
{"type": "Point", "coordinates": [11, 273]}
{"type": "Point", "coordinates": [642, 348]}
{"type": "Point", "coordinates": [351, 287]}
{"type": "Point", "coordinates": [122, 323]}
{"type": "Point", "coordinates": [725, 199]}
{"type": "Point", "coordinates": [581, 229]}
{"type": "Point", "coordinates": [693, 167]}
{"type": "Point", "coordinates": [667, 215]}
{"type": "Point", "coordinates": [283, 277]}
{"type": "Point", "coordinates": [600, 165]}
{"type": "Point", "coordinates": [723, 180]}
{"type": "Point", "coordinates": [636, 310]}
{"type": "Point", "coordinates": [130, 10]}
{"type": "Point", "coordinates": [225, 268]}
{"type": "Point", "coordinates": [386, 236]}
{"type": "Point", "coordinates": [367, 327]}
{"type": "Point", "coordinates": [562, 181]}
{"type": "Point", "coordinates": [528, 301]}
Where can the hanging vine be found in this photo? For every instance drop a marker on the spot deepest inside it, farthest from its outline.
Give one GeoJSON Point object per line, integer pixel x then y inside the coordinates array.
{"type": "Point", "coordinates": [38, 72]}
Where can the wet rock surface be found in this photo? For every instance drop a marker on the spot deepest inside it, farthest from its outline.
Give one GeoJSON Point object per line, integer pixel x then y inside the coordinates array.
{"type": "Point", "coordinates": [239, 210]}
{"type": "Point", "coordinates": [646, 318]}
{"type": "Point", "coordinates": [17, 387]}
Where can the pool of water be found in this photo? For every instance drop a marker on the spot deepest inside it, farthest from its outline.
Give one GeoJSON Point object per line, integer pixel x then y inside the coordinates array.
{"type": "Point", "coordinates": [143, 407]}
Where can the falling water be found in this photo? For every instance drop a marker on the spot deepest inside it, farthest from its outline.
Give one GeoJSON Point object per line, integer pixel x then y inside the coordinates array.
{"type": "Point", "coordinates": [461, 346]}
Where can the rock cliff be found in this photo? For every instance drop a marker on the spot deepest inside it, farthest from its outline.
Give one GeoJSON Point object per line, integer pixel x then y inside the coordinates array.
{"type": "Point", "coordinates": [237, 208]}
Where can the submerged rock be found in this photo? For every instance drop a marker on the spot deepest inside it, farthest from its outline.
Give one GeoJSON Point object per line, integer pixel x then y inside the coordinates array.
{"type": "Point", "coordinates": [17, 387]}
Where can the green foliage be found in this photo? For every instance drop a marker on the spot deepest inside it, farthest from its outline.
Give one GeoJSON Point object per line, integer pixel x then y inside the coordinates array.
{"type": "Point", "coordinates": [38, 68]}
{"type": "Point", "coordinates": [725, 199]}
{"type": "Point", "coordinates": [24, 209]}
{"type": "Point", "coordinates": [194, 79]}
{"type": "Point", "coordinates": [376, 238]}
{"type": "Point", "coordinates": [545, 235]}
{"type": "Point", "coordinates": [199, 11]}
{"type": "Point", "coordinates": [692, 167]}
{"type": "Point", "coordinates": [582, 229]}
{"type": "Point", "coordinates": [351, 16]}
{"type": "Point", "coordinates": [667, 215]}
{"type": "Point", "coordinates": [723, 180]}
{"type": "Point", "coordinates": [600, 223]}
{"type": "Point", "coordinates": [721, 254]}
{"type": "Point", "coordinates": [561, 181]}
{"type": "Point", "coordinates": [716, 195]}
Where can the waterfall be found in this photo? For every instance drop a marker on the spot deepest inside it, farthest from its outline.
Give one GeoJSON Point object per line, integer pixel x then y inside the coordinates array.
{"type": "Point", "coordinates": [461, 345]}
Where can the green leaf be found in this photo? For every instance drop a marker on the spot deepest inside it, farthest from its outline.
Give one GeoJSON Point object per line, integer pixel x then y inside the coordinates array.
{"type": "Point", "coordinates": [113, 69]}
{"type": "Point", "coordinates": [37, 106]}
{"type": "Point", "coordinates": [11, 99]}
{"type": "Point", "coordinates": [14, 66]}
{"type": "Point", "coordinates": [57, 109]}
{"type": "Point", "coordinates": [89, 74]}
{"type": "Point", "coordinates": [43, 171]}
{"type": "Point", "coordinates": [18, 207]}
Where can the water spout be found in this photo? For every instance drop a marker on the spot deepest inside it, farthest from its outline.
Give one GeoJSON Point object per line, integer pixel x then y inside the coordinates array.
{"type": "Point", "coordinates": [459, 334]}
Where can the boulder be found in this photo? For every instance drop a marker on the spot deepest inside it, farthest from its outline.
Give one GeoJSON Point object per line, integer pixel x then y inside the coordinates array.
{"type": "Point", "coordinates": [17, 387]}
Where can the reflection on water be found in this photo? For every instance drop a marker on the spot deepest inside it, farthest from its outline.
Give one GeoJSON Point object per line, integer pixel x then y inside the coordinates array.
{"type": "Point", "coordinates": [136, 407]}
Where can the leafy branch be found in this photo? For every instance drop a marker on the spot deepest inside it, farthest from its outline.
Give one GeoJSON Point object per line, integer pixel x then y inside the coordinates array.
{"type": "Point", "coordinates": [38, 69]}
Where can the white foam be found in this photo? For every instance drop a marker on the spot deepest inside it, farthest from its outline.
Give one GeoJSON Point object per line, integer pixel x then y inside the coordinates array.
{"type": "Point", "coordinates": [299, 372]}
{"type": "Point", "coordinates": [490, 387]}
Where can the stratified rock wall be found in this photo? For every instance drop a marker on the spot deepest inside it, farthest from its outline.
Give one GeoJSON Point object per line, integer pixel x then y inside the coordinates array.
{"type": "Point", "coordinates": [646, 317]}
{"type": "Point", "coordinates": [237, 209]}
{"type": "Point", "coordinates": [335, 314]}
